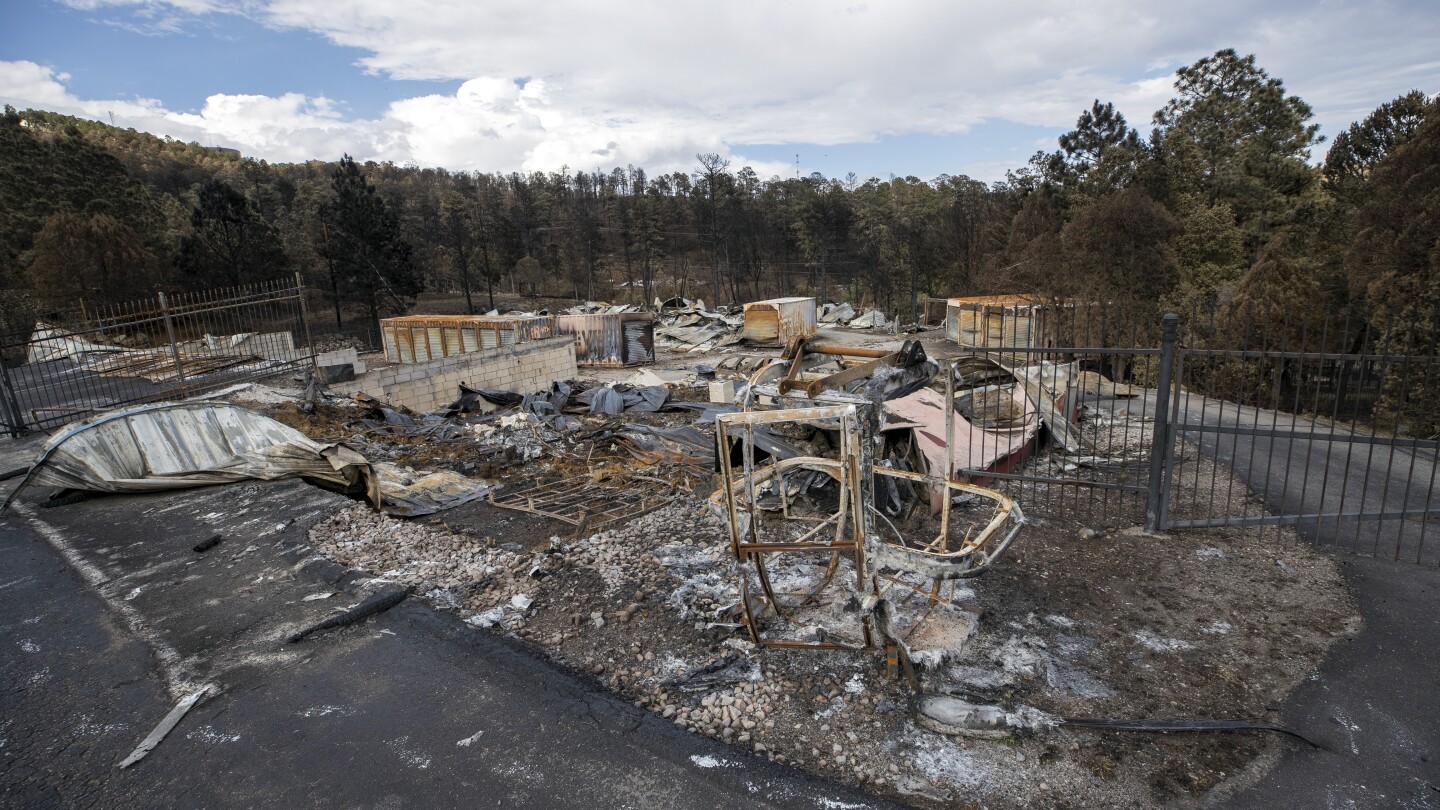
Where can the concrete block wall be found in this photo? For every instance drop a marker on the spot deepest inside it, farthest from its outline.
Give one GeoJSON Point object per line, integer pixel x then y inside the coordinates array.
{"type": "Point", "coordinates": [340, 357]}
{"type": "Point", "coordinates": [523, 368]}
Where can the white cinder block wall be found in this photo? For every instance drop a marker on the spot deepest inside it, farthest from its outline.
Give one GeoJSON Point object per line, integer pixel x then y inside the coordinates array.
{"type": "Point", "coordinates": [523, 368]}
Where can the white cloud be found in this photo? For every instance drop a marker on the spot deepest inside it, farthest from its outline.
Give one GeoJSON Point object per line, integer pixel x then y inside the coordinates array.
{"type": "Point", "coordinates": [652, 83]}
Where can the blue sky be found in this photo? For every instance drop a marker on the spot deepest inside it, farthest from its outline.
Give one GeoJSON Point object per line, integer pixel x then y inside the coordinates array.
{"type": "Point", "coordinates": [905, 87]}
{"type": "Point", "coordinates": [108, 54]}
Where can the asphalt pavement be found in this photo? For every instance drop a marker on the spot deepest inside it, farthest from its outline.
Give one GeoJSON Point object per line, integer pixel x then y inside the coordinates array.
{"type": "Point", "coordinates": [1375, 700]}
{"type": "Point", "coordinates": [108, 618]}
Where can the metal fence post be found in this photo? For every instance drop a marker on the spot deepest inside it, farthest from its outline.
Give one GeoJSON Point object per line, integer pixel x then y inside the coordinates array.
{"type": "Point", "coordinates": [170, 335]}
{"type": "Point", "coordinates": [305, 323]}
{"type": "Point", "coordinates": [1160, 437]}
{"type": "Point", "coordinates": [10, 404]}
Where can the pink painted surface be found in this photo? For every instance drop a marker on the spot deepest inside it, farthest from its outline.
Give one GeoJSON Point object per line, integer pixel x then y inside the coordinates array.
{"type": "Point", "coordinates": [975, 448]}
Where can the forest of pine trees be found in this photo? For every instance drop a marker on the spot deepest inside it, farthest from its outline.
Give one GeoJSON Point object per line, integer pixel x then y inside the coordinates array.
{"type": "Point", "coordinates": [1218, 205]}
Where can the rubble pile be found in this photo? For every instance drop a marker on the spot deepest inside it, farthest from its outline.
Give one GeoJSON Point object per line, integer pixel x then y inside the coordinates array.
{"type": "Point", "coordinates": [601, 308]}
{"type": "Point", "coordinates": [696, 329]}
{"type": "Point", "coordinates": [921, 686]}
{"type": "Point", "coordinates": [846, 315]}
{"type": "Point", "coordinates": [647, 609]}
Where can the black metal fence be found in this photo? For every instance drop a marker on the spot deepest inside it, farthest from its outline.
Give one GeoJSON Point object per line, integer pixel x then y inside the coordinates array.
{"type": "Point", "coordinates": [1227, 417]}
{"type": "Point", "coordinates": [155, 349]}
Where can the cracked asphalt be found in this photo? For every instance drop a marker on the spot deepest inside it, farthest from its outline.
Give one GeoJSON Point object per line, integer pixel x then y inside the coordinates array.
{"type": "Point", "coordinates": [107, 618]}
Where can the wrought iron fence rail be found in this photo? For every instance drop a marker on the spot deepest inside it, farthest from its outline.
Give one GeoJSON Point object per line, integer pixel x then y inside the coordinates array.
{"type": "Point", "coordinates": [1306, 420]}
{"type": "Point", "coordinates": [165, 356]}
{"type": "Point", "coordinates": [1304, 519]}
{"type": "Point", "coordinates": [1253, 354]}
{"type": "Point", "coordinates": [1138, 351]}
{"type": "Point", "coordinates": [1090, 483]}
{"type": "Point", "coordinates": [1346, 436]}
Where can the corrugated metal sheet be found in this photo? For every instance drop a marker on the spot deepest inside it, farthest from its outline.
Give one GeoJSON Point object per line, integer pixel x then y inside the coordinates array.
{"type": "Point", "coordinates": [779, 320]}
{"type": "Point", "coordinates": [612, 339]}
{"type": "Point", "coordinates": [175, 445]}
{"type": "Point", "coordinates": [418, 338]}
{"type": "Point", "coordinates": [639, 341]}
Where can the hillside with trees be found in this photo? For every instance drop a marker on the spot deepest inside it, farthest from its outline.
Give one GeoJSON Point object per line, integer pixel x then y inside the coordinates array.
{"type": "Point", "coordinates": [1217, 206]}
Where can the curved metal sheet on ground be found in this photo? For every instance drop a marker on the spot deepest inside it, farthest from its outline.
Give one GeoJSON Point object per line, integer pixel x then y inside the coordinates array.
{"type": "Point", "coordinates": [190, 444]}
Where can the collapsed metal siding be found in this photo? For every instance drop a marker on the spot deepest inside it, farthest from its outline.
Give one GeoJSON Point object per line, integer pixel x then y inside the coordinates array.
{"type": "Point", "coordinates": [779, 320]}
{"type": "Point", "coordinates": [610, 339]}
{"type": "Point", "coordinates": [419, 338]}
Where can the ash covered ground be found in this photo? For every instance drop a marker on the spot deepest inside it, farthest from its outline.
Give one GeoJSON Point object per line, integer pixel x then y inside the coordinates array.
{"type": "Point", "coordinates": [1072, 623]}
{"type": "Point", "coordinates": [1218, 626]}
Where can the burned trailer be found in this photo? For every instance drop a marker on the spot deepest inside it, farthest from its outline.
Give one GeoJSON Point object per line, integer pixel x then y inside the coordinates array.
{"type": "Point", "coordinates": [610, 339]}
{"type": "Point", "coordinates": [420, 338]}
{"type": "Point", "coordinates": [933, 311]}
{"type": "Point", "coordinates": [997, 323]}
{"type": "Point", "coordinates": [778, 321]}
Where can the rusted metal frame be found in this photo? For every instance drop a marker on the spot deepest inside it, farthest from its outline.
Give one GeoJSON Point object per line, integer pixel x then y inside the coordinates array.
{"type": "Point", "coordinates": [152, 367]}
{"type": "Point", "coordinates": [800, 346]}
{"type": "Point", "coordinates": [842, 378]}
{"type": "Point", "coordinates": [835, 468]}
{"type": "Point", "coordinates": [726, 476]}
{"type": "Point", "coordinates": [35, 412]}
{"type": "Point", "coordinates": [758, 560]}
{"type": "Point", "coordinates": [749, 548]}
{"type": "Point", "coordinates": [830, 571]}
{"type": "Point", "coordinates": [170, 334]}
{"type": "Point", "coordinates": [772, 601]}
{"type": "Point", "coordinates": [545, 499]}
{"type": "Point", "coordinates": [838, 519]}
{"type": "Point", "coordinates": [933, 595]}
{"type": "Point", "coordinates": [617, 512]}
{"type": "Point", "coordinates": [240, 303]}
{"type": "Point", "coordinates": [817, 413]}
{"type": "Point", "coordinates": [183, 304]}
{"type": "Point", "coordinates": [747, 459]}
{"type": "Point", "coordinates": [1005, 508]}
{"type": "Point", "coordinates": [777, 471]}
{"type": "Point", "coordinates": [791, 380]}
{"type": "Point", "coordinates": [770, 548]}
{"type": "Point", "coordinates": [847, 351]}
{"type": "Point", "coordinates": [821, 523]}
{"type": "Point", "coordinates": [949, 450]}
{"type": "Point", "coordinates": [583, 498]}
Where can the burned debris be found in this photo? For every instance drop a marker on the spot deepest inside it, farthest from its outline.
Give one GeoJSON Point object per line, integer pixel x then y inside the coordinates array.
{"type": "Point", "coordinates": [150, 448]}
{"type": "Point", "coordinates": [781, 546]}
